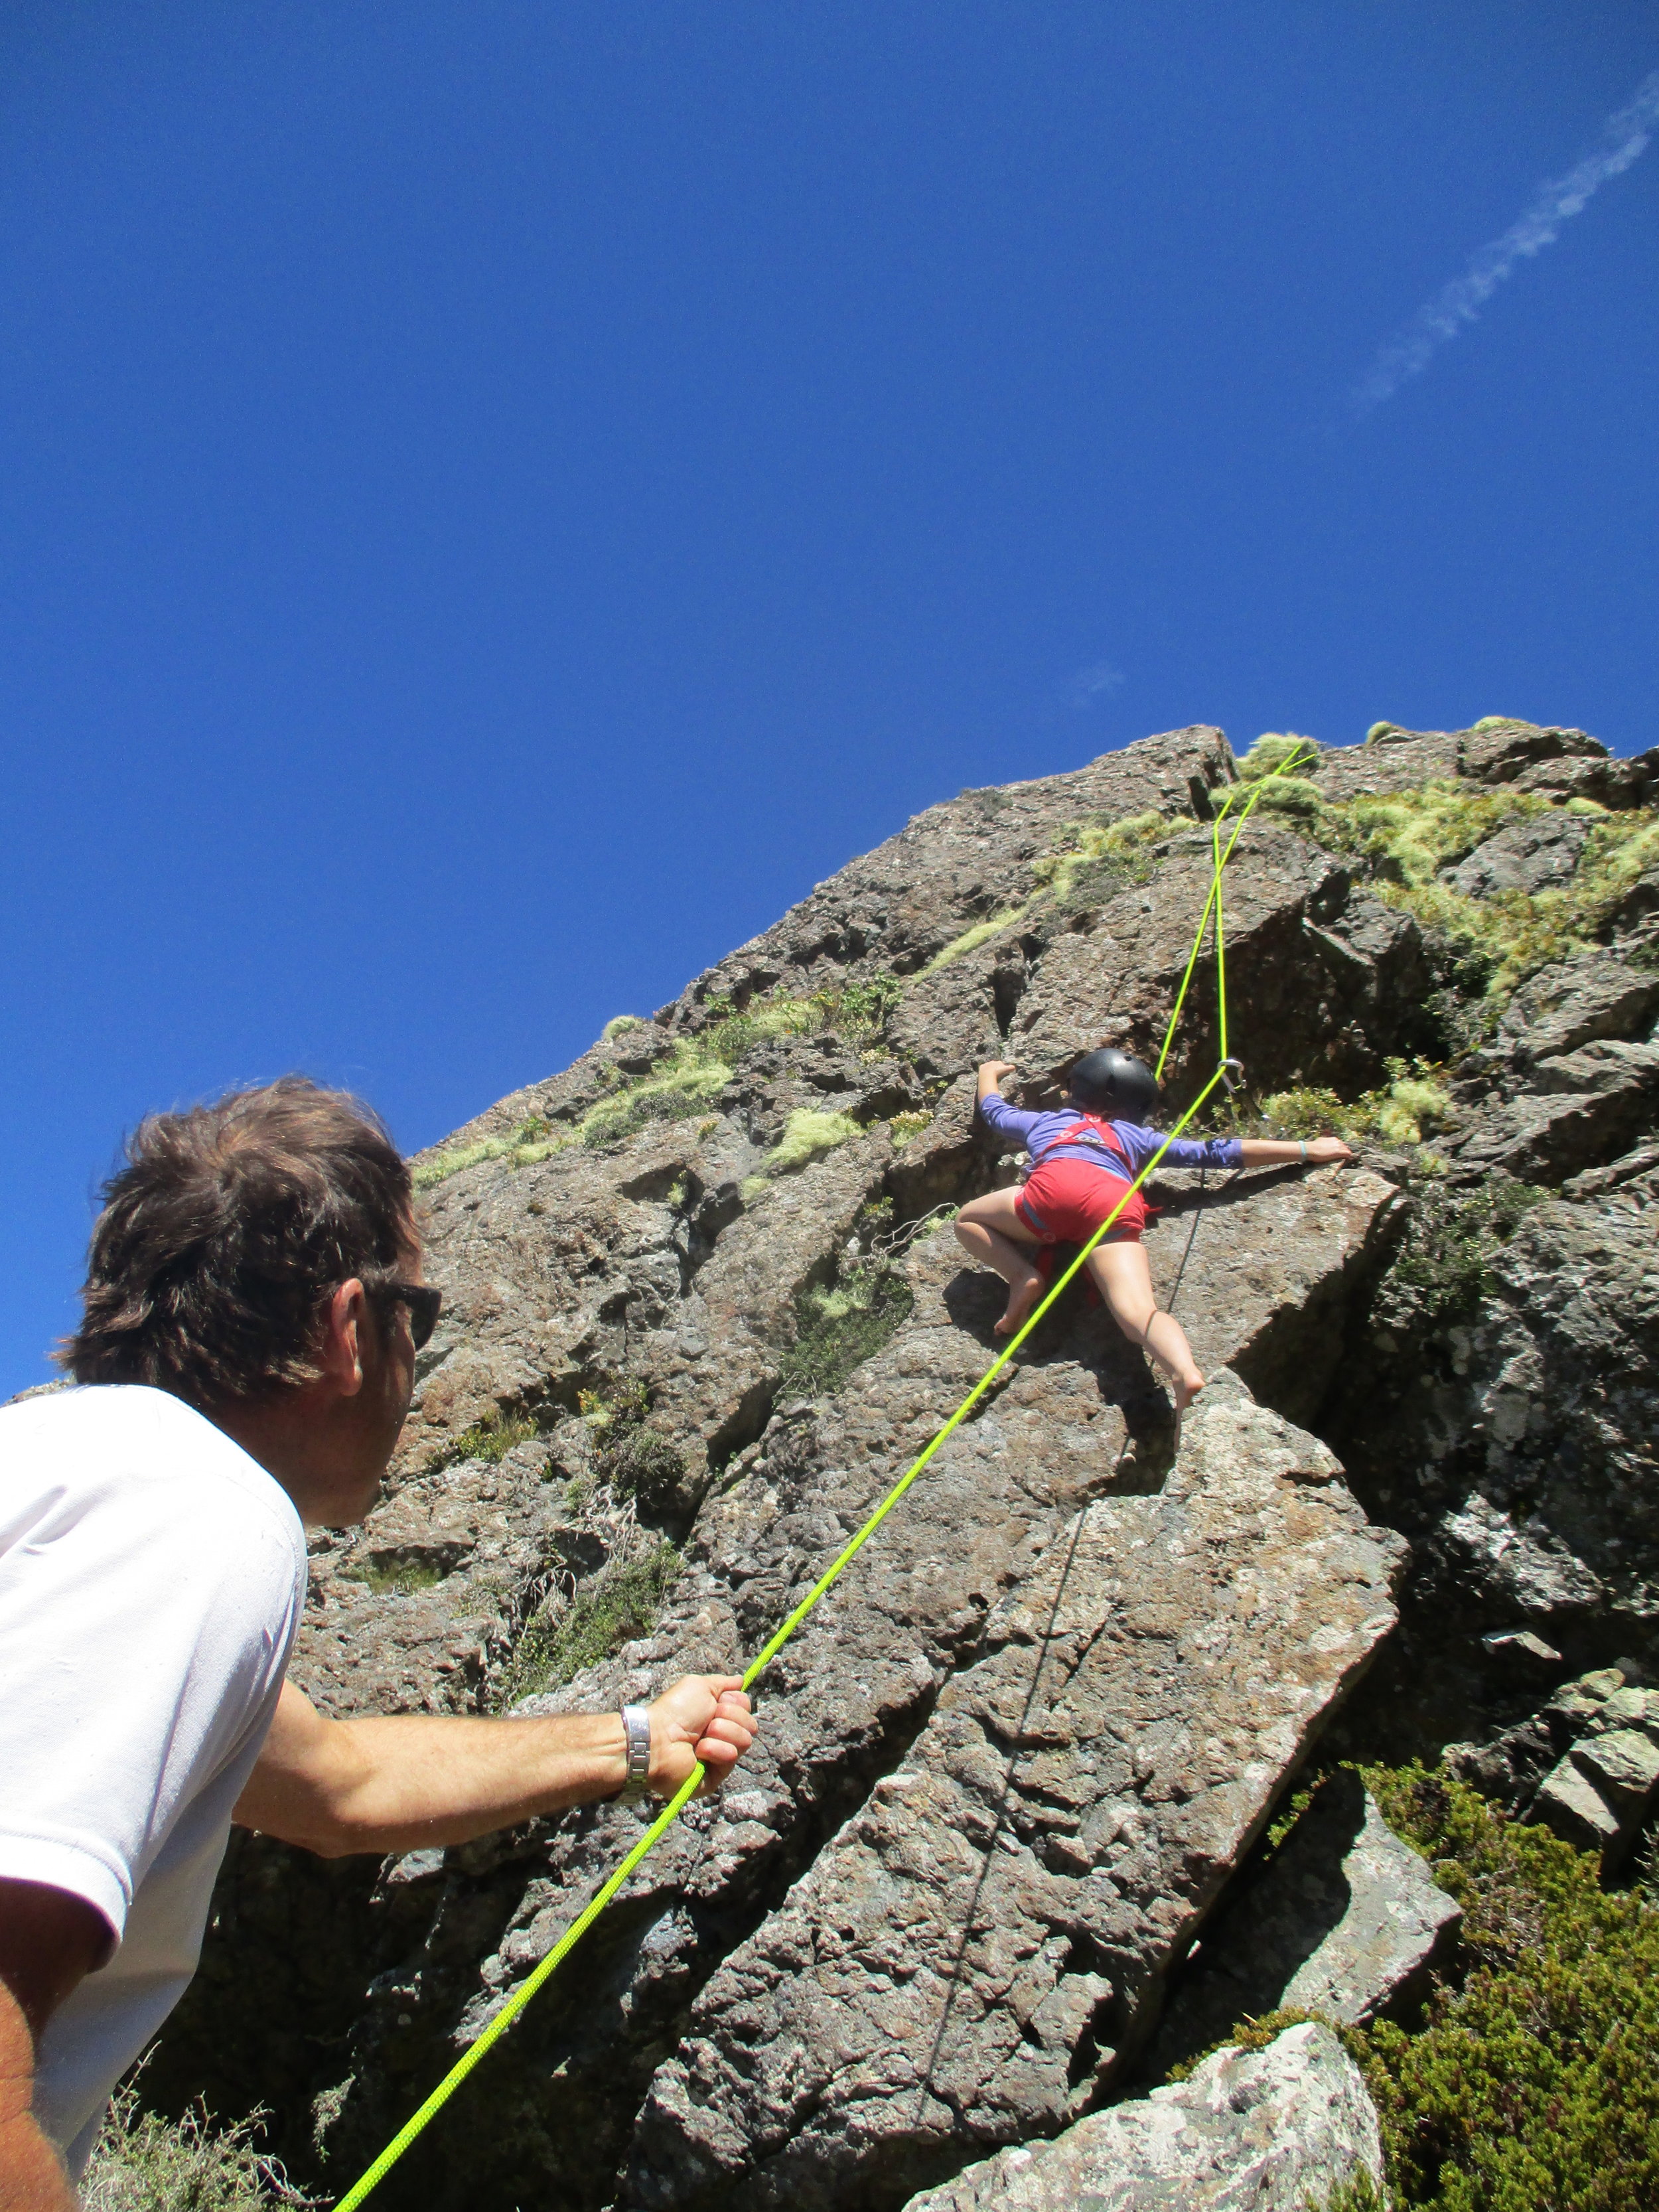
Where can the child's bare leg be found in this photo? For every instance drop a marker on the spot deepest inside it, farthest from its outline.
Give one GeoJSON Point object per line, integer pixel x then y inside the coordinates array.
{"type": "Point", "coordinates": [991, 1231]}
{"type": "Point", "coordinates": [1125, 1280]}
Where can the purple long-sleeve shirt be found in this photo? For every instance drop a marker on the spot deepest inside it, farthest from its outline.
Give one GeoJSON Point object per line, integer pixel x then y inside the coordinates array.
{"type": "Point", "coordinates": [1039, 1133]}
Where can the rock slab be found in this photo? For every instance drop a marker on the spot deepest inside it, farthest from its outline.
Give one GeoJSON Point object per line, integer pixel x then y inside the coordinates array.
{"type": "Point", "coordinates": [975, 1955]}
{"type": "Point", "coordinates": [1271, 2130]}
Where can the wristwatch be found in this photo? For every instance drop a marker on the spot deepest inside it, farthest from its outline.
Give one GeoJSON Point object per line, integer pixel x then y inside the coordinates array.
{"type": "Point", "coordinates": [637, 1723]}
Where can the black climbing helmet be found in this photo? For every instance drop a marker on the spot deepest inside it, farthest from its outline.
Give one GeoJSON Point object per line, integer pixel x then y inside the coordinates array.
{"type": "Point", "coordinates": [1114, 1083]}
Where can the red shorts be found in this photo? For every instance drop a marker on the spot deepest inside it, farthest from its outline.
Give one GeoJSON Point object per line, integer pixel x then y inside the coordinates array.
{"type": "Point", "coordinates": [1065, 1200]}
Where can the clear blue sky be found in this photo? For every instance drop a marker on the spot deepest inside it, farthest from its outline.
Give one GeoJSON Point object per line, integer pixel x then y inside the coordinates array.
{"type": "Point", "coordinates": [498, 499]}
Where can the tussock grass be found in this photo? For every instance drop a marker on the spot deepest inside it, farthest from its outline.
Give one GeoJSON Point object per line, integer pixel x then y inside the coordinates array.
{"type": "Point", "coordinates": [980, 933]}
{"type": "Point", "coordinates": [807, 1133]}
{"type": "Point", "coordinates": [1102, 859]}
{"type": "Point", "coordinates": [621, 1603]}
{"type": "Point", "coordinates": [1408, 839]}
{"type": "Point", "coordinates": [142, 2163]}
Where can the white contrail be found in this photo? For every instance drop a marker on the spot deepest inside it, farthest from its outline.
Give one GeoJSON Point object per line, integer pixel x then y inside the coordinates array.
{"type": "Point", "coordinates": [1624, 136]}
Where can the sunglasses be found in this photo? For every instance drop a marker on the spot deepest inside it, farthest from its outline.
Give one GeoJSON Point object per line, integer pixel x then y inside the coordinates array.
{"type": "Point", "coordinates": [424, 1303]}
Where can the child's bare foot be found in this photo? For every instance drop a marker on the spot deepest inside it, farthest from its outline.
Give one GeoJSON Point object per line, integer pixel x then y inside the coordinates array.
{"type": "Point", "coordinates": [1022, 1296]}
{"type": "Point", "coordinates": [1186, 1388]}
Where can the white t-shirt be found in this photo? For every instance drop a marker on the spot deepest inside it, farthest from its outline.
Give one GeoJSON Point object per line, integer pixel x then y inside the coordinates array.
{"type": "Point", "coordinates": [151, 1581]}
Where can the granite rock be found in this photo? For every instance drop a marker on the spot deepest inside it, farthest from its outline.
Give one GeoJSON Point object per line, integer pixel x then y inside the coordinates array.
{"type": "Point", "coordinates": [975, 1957]}
{"type": "Point", "coordinates": [1269, 2130]}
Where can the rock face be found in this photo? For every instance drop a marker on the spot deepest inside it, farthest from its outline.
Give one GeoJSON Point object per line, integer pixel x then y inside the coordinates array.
{"type": "Point", "coordinates": [1587, 1763]}
{"type": "Point", "coordinates": [1270, 2130]}
{"type": "Point", "coordinates": [699, 1312]}
{"type": "Point", "coordinates": [1344, 1922]}
{"type": "Point", "coordinates": [974, 1958]}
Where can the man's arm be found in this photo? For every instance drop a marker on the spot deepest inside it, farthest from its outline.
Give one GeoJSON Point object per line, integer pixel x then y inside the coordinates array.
{"type": "Point", "coordinates": [49, 1940]}
{"type": "Point", "coordinates": [411, 1781]}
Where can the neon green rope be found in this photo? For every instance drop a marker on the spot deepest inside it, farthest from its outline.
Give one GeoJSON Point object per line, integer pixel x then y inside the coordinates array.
{"type": "Point", "coordinates": [670, 1811]}
{"type": "Point", "coordinates": [1214, 901]}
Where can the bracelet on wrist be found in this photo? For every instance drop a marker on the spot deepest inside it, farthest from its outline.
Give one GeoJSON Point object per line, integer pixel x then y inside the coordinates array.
{"type": "Point", "coordinates": [636, 1726]}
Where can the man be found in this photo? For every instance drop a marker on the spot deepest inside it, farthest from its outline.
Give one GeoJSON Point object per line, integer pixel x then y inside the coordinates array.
{"type": "Point", "coordinates": [253, 1306]}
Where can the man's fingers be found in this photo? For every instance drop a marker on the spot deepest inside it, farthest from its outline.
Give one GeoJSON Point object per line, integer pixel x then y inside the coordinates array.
{"type": "Point", "coordinates": [729, 1731]}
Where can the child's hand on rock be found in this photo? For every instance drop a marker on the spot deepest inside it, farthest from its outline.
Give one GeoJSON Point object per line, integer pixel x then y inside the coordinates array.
{"type": "Point", "coordinates": [1326, 1149]}
{"type": "Point", "coordinates": [995, 1070]}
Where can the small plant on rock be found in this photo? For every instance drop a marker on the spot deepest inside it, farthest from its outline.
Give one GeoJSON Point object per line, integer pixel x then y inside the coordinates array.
{"type": "Point", "coordinates": [838, 1329]}
{"type": "Point", "coordinates": [144, 2163]}
{"type": "Point", "coordinates": [806, 1135]}
{"type": "Point", "coordinates": [490, 1439]}
{"type": "Point", "coordinates": [622, 1603]}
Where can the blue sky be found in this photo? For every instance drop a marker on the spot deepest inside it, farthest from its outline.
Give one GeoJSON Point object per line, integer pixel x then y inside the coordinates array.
{"type": "Point", "coordinates": [500, 499]}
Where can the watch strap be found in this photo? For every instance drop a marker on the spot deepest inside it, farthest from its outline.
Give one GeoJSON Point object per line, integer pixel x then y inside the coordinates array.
{"type": "Point", "coordinates": [636, 1725]}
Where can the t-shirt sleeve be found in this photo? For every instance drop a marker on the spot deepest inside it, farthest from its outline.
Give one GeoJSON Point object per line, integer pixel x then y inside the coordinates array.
{"type": "Point", "coordinates": [1007, 1120]}
{"type": "Point", "coordinates": [144, 1628]}
{"type": "Point", "coordinates": [1143, 1144]}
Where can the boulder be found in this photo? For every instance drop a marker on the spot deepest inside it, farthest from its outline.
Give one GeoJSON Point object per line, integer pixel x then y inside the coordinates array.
{"type": "Point", "coordinates": [1271, 2130]}
{"type": "Point", "coordinates": [1344, 1921]}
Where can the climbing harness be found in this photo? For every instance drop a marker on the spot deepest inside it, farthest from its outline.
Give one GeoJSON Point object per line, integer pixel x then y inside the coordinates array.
{"type": "Point", "coordinates": [1226, 1073]}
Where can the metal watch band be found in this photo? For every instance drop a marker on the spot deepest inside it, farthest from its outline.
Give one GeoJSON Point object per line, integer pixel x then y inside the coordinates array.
{"type": "Point", "coordinates": [636, 1723]}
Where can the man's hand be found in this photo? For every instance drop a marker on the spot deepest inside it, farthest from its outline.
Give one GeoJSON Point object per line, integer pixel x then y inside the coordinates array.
{"type": "Point", "coordinates": [707, 1717]}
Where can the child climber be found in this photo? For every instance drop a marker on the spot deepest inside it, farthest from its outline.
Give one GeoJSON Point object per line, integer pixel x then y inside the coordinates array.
{"type": "Point", "coordinates": [1084, 1159]}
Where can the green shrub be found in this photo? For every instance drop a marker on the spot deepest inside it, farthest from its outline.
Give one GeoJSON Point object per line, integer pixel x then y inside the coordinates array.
{"type": "Point", "coordinates": [635, 1460]}
{"type": "Point", "coordinates": [142, 2163]}
{"type": "Point", "coordinates": [1398, 1113]}
{"type": "Point", "coordinates": [619, 1025]}
{"type": "Point", "coordinates": [621, 1603]}
{"type": "Point", "coordinates": [838, 1329]}
{"type": "Point", "coordinates": [905, 1126]}
{"type": "Point", "coordinates": [1530, 2081]}
{"type": "Point", "coordinates": [402, 1581]}
{"type": "Point", "coordinates": [1444, 1263]}
{"type": "Point", "coordinates": [1533, 2084]}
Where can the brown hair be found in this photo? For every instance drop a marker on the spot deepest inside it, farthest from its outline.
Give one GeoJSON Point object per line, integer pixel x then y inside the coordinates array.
{"type": "Point", "coordinates": [225, 1231]}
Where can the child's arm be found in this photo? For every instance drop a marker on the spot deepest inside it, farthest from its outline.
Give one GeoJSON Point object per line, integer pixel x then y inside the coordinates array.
{"type": "Point", "coordinates": [993, 1109]}
{"type": "Point", "coordinates": [1269, 1151]}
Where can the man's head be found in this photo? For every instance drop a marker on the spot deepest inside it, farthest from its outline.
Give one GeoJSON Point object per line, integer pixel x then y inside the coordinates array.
{"type": "Point", "coordinates": [1114, 1083]}
{"type": "Point", "coordinates": [246, 1259]}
